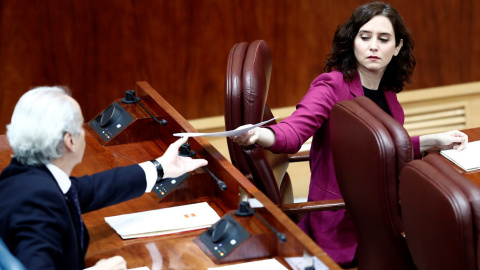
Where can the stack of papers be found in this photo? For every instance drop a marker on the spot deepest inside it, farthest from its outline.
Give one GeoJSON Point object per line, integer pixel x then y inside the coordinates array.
{"type": "Point", "coordinates": [164, 221]}
{"type": "Point", "coordinates": [467, 159]}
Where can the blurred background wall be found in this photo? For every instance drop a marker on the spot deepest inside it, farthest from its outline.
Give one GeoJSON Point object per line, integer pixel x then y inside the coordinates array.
{"type": "Point", "coordinates": [101, 48]}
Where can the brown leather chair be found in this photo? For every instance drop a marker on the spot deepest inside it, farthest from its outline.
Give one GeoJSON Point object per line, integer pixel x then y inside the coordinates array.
{"type": "Point", "coordinates": [246, 90]}
{"type": "Point", "coordinates": [369, 149]}
{"type": "Point", "coordinates": [441, 215]}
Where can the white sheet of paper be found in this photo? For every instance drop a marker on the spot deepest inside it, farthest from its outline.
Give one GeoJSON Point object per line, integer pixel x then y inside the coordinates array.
{"type": "Point", "coordinates": [164, 221]}
{"type": "Point", "coordinates": [467, 159]}
{"type": "Point", "coordinates": [270, 264]}
{"type": "Point", "coordinates": [230, 133]}
{"type": "Point", "coordinates": [300, 263]}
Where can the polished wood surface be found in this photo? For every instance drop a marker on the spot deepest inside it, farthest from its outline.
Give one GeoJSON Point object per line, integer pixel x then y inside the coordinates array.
{"type": "Point", "coordinates": [180, 47]}
{"type": "Point", "coordinates": [177, 251]}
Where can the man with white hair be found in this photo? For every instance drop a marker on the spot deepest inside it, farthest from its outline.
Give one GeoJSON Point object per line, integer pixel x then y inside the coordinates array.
{"type": "Point", "coordinates": [41, 204]}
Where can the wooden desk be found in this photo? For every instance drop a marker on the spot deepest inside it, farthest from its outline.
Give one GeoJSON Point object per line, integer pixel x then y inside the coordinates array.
{"type": "Point", "coordinates": [144, 140]}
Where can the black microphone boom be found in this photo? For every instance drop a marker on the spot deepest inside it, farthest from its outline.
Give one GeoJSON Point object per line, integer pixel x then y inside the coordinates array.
{"type": "Point", "coordinates": [187, 152]}
{"type": "Point", "coordinates": [131, 98]}
{"type": "Point", "coordinates": [220, 183]}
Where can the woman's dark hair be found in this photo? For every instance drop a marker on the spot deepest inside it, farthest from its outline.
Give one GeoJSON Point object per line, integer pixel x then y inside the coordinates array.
{"type": "Point", "coordinates": [342, 57]}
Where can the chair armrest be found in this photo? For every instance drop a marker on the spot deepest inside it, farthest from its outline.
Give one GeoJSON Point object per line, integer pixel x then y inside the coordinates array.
{"type": "Point", "coordinates": [304, 207]}
{"type": "Point", "coordinates": [300, 156]}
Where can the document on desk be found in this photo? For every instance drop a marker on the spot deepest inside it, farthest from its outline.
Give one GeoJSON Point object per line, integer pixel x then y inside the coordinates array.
{"type": "Point", "coordinates": [230, 133]}
{"type": "Point", "coordinates": [164, 221]}
{"type": "Point", "coordinates": [467, 159]}
{"type": "Point", "coordinates": [301, 263]}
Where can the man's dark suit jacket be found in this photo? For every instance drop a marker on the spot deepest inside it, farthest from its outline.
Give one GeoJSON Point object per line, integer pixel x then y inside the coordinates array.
{"type": "Point", "coordinates": [35, 221]}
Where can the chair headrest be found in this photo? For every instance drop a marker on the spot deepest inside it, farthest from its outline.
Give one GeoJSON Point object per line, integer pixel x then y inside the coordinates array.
{"type": "Point", "coordinates": [257, 70]}
{"type": "Point", "coordinates": [400, 137]}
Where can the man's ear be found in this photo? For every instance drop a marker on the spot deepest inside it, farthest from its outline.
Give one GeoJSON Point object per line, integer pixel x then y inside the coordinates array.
{"type": "Point", "coordinates": [69, 141]}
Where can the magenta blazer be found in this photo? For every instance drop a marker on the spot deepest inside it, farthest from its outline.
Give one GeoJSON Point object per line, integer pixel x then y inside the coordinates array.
{"type": "Point", "coordinates": [332, 230]}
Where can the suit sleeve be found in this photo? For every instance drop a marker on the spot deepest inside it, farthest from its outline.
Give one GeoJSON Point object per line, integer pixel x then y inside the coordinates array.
{"type": "Point", "coordinates": [110, 187]}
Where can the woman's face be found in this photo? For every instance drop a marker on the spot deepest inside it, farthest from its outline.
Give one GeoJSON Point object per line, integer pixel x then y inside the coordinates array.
{"type": "Point", "coordinates": [374, 45]}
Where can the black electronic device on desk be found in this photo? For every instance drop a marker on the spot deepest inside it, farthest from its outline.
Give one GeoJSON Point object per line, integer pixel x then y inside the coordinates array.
{"type": "Point", "coordinates": [126, 122]}
{"type": "Point", "coordinates": [224, 236]}
{"type": "Point", "coordinates": [240, 236]}
{"type": "Point", "coordinates": [111, 121]}
{"type": "Point", "coordinates": [164, 186]}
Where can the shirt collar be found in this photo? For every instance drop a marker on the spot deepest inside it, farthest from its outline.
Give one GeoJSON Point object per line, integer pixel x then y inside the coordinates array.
{"type": "Point", "coordinates": [61, 177]}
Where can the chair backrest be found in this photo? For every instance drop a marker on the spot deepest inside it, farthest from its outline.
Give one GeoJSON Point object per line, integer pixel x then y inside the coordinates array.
{"type": "Point", "coordinates": [233, 103]}
{"type": "Point", "coordinates": [7, 260]}
{"type": "Point", "coordinates": [369, 149]}
{"type": "Point", "coordinates": [441, 215]}
{"type": "Point", "coordinates": [246, 90]}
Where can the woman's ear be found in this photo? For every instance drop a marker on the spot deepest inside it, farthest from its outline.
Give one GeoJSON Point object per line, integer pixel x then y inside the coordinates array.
{"type": "Point", "coordinates": [397, 49]}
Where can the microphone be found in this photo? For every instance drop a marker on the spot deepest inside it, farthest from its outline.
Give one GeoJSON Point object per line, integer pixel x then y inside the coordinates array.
{"type": "Point", "coordinates": [220, 183]}
{"type": "Point", "coordinates": [131, 98]}
{"type": "Point", "coordinates": [187, 152]}
{"type": "Point", "coordinates": [244, 209]}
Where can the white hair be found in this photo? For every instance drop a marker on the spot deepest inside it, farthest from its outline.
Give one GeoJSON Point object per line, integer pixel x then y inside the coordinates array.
{"type": "Point", "coordinates": [39, 122]}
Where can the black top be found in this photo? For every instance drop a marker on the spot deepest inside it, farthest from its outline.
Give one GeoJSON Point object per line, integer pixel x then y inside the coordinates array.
{"type": "Point", "coordinates": [378, 97]}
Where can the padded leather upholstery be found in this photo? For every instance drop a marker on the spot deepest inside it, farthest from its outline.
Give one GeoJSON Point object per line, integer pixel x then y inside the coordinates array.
{"type": "Point", "coordinates": [233, 104]}
{"type": "Point", "coordinates": [369, 149]}
{"type": "Point", "coordinates": [441, 215]}
{"type": "Point", "coordinates": [248, 78]}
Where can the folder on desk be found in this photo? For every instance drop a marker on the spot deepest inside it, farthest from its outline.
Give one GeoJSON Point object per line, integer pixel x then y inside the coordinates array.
{"type": "Point", "coordinates": [164, 221]}
{"type": "Point", "coordinates": [467, 159]}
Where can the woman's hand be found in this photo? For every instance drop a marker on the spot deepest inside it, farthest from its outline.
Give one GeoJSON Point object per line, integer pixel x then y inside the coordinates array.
{"type": "Point", "coordinates": [248, 138]}
{"type": "Point", "coordinates": [452, 139]}
{"type": "Point", "coordinates": [261, 136]}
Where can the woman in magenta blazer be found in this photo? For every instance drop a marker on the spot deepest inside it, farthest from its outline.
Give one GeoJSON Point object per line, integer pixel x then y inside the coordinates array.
{"type": "Point", "coordinates": [372, 56]}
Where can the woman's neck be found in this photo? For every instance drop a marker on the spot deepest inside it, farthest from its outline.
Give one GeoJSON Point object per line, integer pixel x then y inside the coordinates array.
{"type": "Point", "coordinates": [369, 79]}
